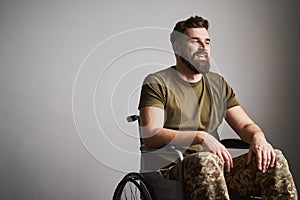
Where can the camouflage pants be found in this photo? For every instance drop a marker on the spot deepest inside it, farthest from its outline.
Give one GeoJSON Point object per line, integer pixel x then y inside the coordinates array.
{"type": "Point", "coordinates": [205, 178]}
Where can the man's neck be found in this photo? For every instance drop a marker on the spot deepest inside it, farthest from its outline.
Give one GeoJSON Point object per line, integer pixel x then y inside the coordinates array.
{"type": "Point", "coordinates": [186, 74]}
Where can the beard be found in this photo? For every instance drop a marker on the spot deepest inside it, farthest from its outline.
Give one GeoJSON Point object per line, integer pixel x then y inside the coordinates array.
{"type": "Point", "coordinates": [196, 66]}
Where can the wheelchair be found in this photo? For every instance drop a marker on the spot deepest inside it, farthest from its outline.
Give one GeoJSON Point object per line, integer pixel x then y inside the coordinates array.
{"type": "Point", "coordinates": [149, 184]}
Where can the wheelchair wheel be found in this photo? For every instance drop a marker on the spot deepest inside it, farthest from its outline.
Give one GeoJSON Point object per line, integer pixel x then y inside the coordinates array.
{"type": "Point", "coordinates": [133, 186]}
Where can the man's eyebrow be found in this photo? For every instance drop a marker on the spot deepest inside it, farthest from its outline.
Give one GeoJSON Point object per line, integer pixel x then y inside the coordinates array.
{"type": "Point", "coordinates": [197, 38]}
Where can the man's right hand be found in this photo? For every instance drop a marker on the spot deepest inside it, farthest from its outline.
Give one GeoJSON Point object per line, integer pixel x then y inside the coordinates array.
{"type": "Point", "coordinates": [211, 144]}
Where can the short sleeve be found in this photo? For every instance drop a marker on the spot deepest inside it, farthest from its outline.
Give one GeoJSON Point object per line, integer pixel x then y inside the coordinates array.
{"type": "Point", "coordinates": [152, 93]}
{"type": "Point", "coordinates": [230, 96]}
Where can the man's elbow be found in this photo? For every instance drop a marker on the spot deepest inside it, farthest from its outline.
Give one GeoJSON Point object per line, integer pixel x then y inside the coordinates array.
{"type": "Point", "coordinates": [151, 138]}
{"type": "Point", "coordinates": [150, 143]}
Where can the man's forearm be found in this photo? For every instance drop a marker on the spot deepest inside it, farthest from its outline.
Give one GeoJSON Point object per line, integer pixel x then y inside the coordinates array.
{"type": "Point", "coordinates": [163, 136]}
{"type": "Point", "coordinates": [251, 132]}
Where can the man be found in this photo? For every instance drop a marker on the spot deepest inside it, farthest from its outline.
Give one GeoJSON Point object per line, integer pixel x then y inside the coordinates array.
{"type": "Point", "coordinates": [183, 105]}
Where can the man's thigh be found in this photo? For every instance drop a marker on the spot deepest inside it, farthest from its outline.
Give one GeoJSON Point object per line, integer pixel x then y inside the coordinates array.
{"type": "Point", "coordinates": [241, 179]}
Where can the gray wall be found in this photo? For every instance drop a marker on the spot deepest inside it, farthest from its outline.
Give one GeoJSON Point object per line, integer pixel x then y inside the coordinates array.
{"type": "Point", "coordinates": [71, 72]}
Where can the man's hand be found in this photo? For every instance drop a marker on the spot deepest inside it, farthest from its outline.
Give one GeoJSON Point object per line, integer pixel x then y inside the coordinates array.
{"type": "Point", "coordinates": [210, 143]}
{"type": "Point", "coordinates": [251, 133]}
{"type": "Point", "coordinates": [263, 152]}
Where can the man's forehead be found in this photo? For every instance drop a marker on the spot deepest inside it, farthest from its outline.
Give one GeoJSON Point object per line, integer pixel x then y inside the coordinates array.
{"type": "Point", "coordinates": [197, 32]}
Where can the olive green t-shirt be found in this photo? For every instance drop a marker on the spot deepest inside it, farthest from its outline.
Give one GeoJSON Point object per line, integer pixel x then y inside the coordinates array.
{"type": "Point", "coordinates": [188, 106]}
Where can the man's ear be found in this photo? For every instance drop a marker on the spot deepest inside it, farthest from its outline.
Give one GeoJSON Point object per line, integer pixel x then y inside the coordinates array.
{"type": "Point", "coordinates": [175, 47]}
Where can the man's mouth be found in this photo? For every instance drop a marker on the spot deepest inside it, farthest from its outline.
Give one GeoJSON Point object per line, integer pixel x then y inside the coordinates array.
{"type": "Point", "coordinates": [200, 56]}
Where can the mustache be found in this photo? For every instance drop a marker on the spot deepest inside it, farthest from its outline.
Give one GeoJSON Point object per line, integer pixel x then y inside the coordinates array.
{"type": "Point", "coordinates": [200, 52]}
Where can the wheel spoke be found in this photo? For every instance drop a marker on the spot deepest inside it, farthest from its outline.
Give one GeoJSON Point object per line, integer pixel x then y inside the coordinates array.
{"type": "Point", "coordinates": [132, 187]}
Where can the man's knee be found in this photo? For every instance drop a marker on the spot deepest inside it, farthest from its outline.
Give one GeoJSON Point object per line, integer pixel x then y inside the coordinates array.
{"type": "Point", "coordinates": [280, 179]}
{"type": "Point", "coordinates": [204, 176]}
{"type": "Point", "coordinates": [280, 158]}
{"type": "Point", "coordinates": [203, 162]}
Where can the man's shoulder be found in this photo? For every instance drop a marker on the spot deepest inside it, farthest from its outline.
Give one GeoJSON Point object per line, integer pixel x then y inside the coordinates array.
{"type": "Point", "coordinates": [163, 72]}
{"type": "Point", "coordinates": [161, 75]}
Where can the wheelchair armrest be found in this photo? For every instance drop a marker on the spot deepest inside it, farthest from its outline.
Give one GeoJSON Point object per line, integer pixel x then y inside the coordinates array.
{"type": "Point", "coordinates": [235, 144]}
{"type": "Point", "coordinates": [166, 149]}
{"type": "Point", "coordinates": [145, 149]}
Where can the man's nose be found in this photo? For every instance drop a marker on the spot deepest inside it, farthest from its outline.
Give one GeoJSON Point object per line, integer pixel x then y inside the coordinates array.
{"type": "Point", "coordinates": [202, 48]}
{"type": "Point", "coordinates": [201, 45]}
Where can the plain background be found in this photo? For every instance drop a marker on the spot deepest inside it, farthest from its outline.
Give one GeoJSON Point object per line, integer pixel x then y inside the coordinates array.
{"type": "Point", "coordinates": [71, 71]}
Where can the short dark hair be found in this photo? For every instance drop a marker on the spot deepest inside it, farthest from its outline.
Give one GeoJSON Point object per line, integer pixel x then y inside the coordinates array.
{"type": "Point", "coordinates": [182, 26]}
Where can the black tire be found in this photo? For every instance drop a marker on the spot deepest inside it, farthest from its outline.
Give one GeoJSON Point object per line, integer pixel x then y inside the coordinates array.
{"type": "Point", "coordinates": [133, 186]}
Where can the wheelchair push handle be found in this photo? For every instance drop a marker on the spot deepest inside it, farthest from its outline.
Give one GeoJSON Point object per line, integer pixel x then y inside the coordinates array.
{"type": "Point", "coordinates": [133, 118]}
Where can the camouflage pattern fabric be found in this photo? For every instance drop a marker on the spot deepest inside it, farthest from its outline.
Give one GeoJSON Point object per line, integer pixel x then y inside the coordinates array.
{"type": "Point", "coordinates": [205, 178]}
{"type": "Point", "coordinates": [276, 183]}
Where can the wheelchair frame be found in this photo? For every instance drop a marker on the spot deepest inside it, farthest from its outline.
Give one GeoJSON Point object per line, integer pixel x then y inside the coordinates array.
{"type": "Point", "coordinates": [151, 185]}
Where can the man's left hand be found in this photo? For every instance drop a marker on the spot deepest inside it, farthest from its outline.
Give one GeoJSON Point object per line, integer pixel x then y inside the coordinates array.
{"type": "Point", "coordinates": [263, 152]}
